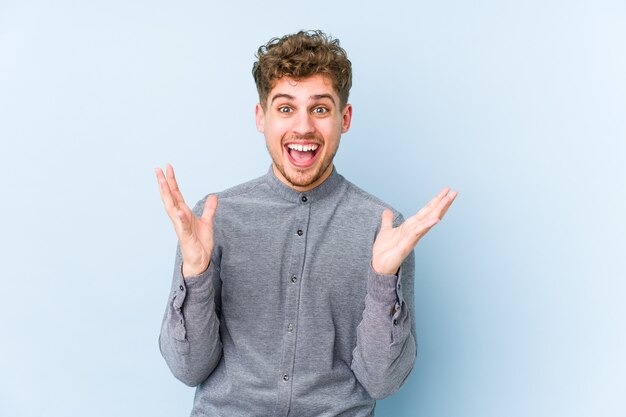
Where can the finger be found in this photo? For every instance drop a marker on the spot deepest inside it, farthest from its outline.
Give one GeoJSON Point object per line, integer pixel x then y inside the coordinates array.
{"type": "Point", "coordinates": [421, 223]}
{"type": "Point", "coordinates": [432, 204]}
{"type": "Point", "coordinates": [420, 226]}
{"type": "Point", "coordinates": [440, 195]}
{"type": "Point", "coordinates": [183, 225]}
{"type": "Point", "coordinates": [451, 198]}
{"type": "Point", "coordinates": [387, 220]}
{"type": "Point", "coordinates": [210, 206]}
{"type": "Point", "coordinates": [428, 223]}
{"type": "Point", "coordinates": [171, 181]}
{"type": "Point", "coordinates": [164, 190]}
{"type": "Point", "coordinates": [444, 204]}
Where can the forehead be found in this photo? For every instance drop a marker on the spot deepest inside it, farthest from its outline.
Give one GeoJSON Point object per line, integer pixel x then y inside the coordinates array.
{"type": "Point", "coordinates": [303, 88]}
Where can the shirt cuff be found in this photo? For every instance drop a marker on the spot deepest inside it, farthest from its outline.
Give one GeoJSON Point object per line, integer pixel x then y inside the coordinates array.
{"type": "Point", "coordinates": [197, 287]}
{"type": "Point", "coordinates": [381, 287]}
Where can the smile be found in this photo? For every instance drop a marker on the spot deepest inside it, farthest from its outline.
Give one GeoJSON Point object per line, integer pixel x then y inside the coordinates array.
{"type": "Point", "coordinates": [302, 155]}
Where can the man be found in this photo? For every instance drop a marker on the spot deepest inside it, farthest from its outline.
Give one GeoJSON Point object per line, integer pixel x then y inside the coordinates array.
{"type": "Point", "coordinates": [294, 295]}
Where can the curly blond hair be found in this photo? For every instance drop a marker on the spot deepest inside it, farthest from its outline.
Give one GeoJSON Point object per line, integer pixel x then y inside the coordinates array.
{"type": "Point", "coordinates": [302, 55]}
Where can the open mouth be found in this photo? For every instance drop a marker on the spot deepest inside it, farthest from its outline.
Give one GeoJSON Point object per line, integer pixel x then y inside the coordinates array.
{"type": "Point", "coordinates": [302, 155]}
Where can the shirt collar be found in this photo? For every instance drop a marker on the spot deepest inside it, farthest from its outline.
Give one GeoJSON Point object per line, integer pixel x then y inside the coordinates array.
{"type": "Point", "coordinates": [325, 189]}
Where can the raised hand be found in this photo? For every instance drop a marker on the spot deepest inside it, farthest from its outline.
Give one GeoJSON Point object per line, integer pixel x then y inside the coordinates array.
{"type": "Point", "coordinates": [195, 234]}
{"type": "Point", "coordinates": [393, 244]}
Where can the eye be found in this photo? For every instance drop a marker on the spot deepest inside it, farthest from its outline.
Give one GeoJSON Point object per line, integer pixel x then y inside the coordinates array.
{"type": "Point", "coordinates": [284, 109]}
{"type": "Point", "coordinates": [320, 110]}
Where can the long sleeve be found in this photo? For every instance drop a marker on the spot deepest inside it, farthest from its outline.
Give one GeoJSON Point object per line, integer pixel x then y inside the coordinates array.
{"type": "Point", "coordinates": [386, 343]}
{"type": "Point", "coordinates": [190, 340]}
{"type": "Point", "coordinates": [288, 320]}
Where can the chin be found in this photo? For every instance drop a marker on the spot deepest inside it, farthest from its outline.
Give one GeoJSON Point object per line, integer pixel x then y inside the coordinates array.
{"type": "Point", "coordinates": [302, 180]}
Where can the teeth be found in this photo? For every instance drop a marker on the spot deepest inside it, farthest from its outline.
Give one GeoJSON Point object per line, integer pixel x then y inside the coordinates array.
{"type": "Point", "coordinates": [301, 148]}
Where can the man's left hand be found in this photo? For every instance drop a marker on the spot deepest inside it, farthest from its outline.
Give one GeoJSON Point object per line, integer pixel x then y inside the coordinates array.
{"type": "Point", "coordinates": [393, 244]}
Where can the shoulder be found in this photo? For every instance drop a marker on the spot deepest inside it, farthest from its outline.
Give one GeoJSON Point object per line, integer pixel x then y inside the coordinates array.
{"type": "Point", "coordinates": [245, 190]}
{"type": "Point", "coordinates": [363, 200]}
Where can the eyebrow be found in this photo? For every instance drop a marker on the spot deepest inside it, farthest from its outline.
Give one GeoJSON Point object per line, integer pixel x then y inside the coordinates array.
{"type": "Point", "coordinates": [315, 97]}
{"type": "Point", "coordinates": [282, 95]}
{"type": "Point", "coordinates": [321, 96]}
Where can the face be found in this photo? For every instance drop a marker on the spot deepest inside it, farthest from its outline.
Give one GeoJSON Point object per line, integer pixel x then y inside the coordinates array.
{"type": "Point", "coordinates": [302, 122]}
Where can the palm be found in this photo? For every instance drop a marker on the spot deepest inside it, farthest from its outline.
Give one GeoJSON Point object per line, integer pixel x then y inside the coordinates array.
{"type": "Point", "coordinates": [393, 244]}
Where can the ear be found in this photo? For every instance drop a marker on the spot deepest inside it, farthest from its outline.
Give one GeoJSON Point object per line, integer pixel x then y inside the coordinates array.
{"type": "Point", "coordinates": [260, 118]}
{"type": "Point", "coordinates": [346, 118]}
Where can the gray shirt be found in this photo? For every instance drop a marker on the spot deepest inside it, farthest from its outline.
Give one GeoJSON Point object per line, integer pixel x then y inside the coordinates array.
{"type": "Point", "coordinates": [290, 319]}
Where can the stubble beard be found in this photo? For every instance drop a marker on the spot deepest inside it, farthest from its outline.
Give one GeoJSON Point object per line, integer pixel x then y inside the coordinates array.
{"type": "Point", "coordinates": [303, 181]}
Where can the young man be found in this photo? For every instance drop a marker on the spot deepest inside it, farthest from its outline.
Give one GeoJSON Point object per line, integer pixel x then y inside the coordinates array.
{"type": "Point", "coordinates": [294, 296]}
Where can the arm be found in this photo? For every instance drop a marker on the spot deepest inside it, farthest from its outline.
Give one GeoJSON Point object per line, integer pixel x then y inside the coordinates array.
{"type": "Point", "coordinates": [386, 338]}
{"type": "Point", "coordinates": [386, 342]}
{"type": "Point", "coordinates": [189, 339]}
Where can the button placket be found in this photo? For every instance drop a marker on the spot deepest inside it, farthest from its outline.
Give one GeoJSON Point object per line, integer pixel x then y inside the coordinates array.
{"type": "Point", "coordinates": [293, 282]}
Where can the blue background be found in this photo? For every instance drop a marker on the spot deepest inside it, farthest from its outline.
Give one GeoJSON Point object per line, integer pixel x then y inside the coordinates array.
{"type": "Point", "coordinates": [519, 105]}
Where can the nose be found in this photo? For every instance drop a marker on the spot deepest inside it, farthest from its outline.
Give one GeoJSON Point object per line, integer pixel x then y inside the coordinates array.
{"type": "Point", "coordinates": [303, 124]}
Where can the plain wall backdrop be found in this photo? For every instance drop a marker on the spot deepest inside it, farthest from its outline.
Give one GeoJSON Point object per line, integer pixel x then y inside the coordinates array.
{"type": "Point", "coordinates": [520, 105]}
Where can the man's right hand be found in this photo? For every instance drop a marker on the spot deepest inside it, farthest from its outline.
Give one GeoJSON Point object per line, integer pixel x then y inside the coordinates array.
{"type": "Point", "coordinates": [195, 234]}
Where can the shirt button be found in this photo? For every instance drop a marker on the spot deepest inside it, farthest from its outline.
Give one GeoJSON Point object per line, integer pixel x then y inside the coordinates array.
{"type": "Point", "coordinates": [182, 288]}
{"type": "Point", "coordinates": [395, 322]}
{"type": "Point", "coordinates": [294, 279]}
{"type": "Point", "coordinates": [290, 327]}
{"type": "Point", "coordinates": [304, 199]}
{"type": "Point", "coordinates": [300, 232]}
{"type": "Point", "coordinates": [285, 377]}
